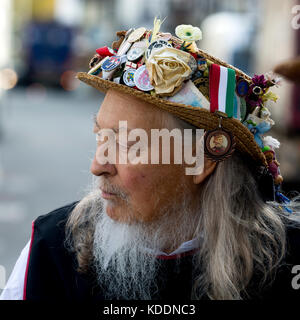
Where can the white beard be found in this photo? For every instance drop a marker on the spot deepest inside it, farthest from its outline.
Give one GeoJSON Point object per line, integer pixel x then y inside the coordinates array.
{"type": "Point", "coordinates": [123, 267]}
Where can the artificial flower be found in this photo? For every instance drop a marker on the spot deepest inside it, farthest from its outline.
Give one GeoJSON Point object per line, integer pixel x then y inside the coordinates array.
{"type": "Point", "coordinates": [269, 96]}
{"type": "Point", "coordinates": [168, 68]}
{"type": "Point", "coordinates": [187, 32]}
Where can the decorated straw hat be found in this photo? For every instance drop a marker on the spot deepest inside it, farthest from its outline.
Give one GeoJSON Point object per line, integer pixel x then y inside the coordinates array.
{"type": "Point", "coordinates": [173, 74]}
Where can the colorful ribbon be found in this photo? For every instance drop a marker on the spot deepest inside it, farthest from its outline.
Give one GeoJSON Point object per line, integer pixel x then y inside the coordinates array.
{"type": "Point", "coordinates": [222, 89]}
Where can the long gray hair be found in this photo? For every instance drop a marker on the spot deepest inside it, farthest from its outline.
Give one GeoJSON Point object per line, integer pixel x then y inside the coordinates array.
{"type": "Point", "coordinates": [241, 233]}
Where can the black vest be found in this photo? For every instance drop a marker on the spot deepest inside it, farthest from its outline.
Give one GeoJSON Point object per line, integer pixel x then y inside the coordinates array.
{"type": "Point", "coordinates": [52, 268]}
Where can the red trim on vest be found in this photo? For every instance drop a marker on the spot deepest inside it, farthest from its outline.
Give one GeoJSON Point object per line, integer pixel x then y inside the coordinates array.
{"type": "Point", "coordinates": [177, 256]}
{"type": "Point", "coordinates": [27, 266]}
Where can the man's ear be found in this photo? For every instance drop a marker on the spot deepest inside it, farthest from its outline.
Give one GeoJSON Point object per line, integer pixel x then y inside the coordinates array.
{"type": "Point", "coordinates": [209, 167]}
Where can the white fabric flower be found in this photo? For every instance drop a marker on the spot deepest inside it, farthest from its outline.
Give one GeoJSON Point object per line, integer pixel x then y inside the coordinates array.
{"type": "Point", "coordinates": [187, 32]}
{"type": "Point", "coordinates": [168, 68]}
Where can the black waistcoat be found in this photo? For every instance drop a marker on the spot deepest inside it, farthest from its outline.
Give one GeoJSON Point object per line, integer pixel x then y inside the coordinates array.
{"type": "Point", "coordinates": [52, 271]}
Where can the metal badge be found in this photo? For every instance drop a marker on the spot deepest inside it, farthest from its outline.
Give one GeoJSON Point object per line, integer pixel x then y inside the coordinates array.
{"type": "Point", "coordinates": [136, 34]}
{"type": "Point", "coordinates": [193, 64]}
{"type": "Point", "coordinates": [135, 53]}
{"type": "Point", "coordinates": [142, 80]}
{"type": "Point", "coordinates": [125, 45]}
{"type": "Point", "coordinates": [165, 36]}
{"type": "Point", "coordinates": [96, 69]}
{"type": "Point", "coordinates": [157, 45]}
{"type": "Point", "coordinates": [128, 77]}
{"type": "Point", "coordinates": [111, 63]}
{"type": "Point", "coordinates": [219, 143]}
{"type": "Point", "coordinates": [242, 87]}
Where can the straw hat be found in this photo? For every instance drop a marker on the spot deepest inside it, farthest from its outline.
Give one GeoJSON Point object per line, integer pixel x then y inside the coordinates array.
{"type": "Point", "coordinates": [246, 142]}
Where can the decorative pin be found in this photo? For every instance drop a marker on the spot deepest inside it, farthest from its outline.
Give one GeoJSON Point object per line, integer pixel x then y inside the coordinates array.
{"type": "Point", "coordinates": [242, 87]}
{"type": "Point", "coordinates": [193, 64]}
{"type": "Point", "coordinates": [219, 143]}
{"type": "Point", "coordinates": [128, 77]}
{"type": "Point", "coordinates": [136, 34]}
{"type": "Point", "coordinates": [96, 69]}
{"type": "Point", "coordinates": [111, 63]}
{"type": "Point", "coordinates": [105, 52]}
{"type": "Point", "coordinates": [142, 79]}
{"type": "Point", "coordinates": [136, 51]}
{"type": "Point", "coordinates": [125, 45]}
{"type": "Point", "coordinates": [157, 45]}
{"type": "Point", "coordinates": [130, 65]}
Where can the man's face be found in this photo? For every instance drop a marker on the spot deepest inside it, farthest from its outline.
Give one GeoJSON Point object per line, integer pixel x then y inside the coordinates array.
{"type": "Point", "coordinates": [218, 141]}
{"type": "Point", "coordinates": [136, 192]}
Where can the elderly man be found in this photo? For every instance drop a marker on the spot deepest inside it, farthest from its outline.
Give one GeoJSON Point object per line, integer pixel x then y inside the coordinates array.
{"type": "Point", "coordinates": [149, 230]}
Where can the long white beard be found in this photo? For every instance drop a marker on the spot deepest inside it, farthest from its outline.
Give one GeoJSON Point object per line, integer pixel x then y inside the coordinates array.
{"type": "Point", "coordinates": [124, 266]}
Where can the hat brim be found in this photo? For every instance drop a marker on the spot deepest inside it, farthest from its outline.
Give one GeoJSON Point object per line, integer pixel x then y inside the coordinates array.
{"type": "Point", "coordinates": [196, 116]}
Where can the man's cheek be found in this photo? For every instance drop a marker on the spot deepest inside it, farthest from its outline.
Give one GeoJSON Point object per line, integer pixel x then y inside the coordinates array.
{"type": "Point", "coordinates": [135, 180]}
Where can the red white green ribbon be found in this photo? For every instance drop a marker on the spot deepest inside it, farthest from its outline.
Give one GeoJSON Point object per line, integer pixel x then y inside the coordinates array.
{"type": "Point", "coordinates": [222, 89]}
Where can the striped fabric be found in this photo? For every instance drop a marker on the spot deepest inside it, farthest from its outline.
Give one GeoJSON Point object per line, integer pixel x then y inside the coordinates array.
{"type": "Point", "coordinates": [222, 90]}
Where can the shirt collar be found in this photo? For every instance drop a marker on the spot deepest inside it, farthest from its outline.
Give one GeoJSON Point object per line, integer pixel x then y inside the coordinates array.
{"type": "Point", "coordinates": [184, 247]}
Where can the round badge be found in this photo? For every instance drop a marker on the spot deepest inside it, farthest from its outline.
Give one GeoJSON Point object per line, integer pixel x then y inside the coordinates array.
{"type": "Point", "coordinates": [165, 36]}
{"type": "Point", "coordinates": [193, 64]}
{"type": "Point", "coordinates": [218, 144]}
{"type": "Point", "coordinates": [96, 69]}
{"type": "Point", "coordinates": [142, 80]}
{"type": "Point", "coordinates": [128, 77]}
{"type": "Point", "coordinates": [242, 88]}
{"type": "Point", "coordinates": [111, 63]}
{"type": "Point", "coordinates": [135, 53]}
{"type": "Point", "coordinates": [243, 109]}
{"type": "Point", "coordinates": [136, 34]}
{"type": "Point", "coordinates": [157, 45]}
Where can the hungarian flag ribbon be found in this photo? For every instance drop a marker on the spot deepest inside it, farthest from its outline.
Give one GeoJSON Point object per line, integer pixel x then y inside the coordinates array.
{"type": "Point", "coordinates": [222, 89]}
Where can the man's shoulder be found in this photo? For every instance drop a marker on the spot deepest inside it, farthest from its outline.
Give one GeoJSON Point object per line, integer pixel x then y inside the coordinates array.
{"type": "Point", "coordinates": [51, 226]}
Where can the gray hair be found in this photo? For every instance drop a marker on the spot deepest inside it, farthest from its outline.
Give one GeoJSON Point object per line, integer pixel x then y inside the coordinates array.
{"type": "Point", "coordinates": [242, 234]}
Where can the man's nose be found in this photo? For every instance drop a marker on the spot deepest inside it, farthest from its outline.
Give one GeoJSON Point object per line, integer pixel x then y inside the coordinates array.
{"type": "Point", "coordinates": [98, 169]}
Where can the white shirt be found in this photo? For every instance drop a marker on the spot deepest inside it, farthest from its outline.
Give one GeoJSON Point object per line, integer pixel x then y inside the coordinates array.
{"type": "Point", "coordinates": [15, 285]}
{"type": "Point", "coordinates": [14, 288]}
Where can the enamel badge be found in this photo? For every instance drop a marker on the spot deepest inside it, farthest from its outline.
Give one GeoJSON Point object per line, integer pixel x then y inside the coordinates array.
{"type": "Point", "coordinates": [219, 144]}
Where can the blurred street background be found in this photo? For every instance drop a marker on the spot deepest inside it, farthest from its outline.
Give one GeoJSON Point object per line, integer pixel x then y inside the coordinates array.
{"type": "Point", "coordinates": [46, 139]}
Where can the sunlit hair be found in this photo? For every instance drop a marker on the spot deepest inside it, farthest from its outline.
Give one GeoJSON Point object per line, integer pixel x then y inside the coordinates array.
{"type": "Point", "coordinates": [240, 235]}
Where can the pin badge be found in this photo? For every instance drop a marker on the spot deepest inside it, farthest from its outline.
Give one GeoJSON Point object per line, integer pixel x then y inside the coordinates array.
{"type": "Point", "coordinates": [219, 143]}
{"type": "Point", "coordinates": [130, 65]}
{"type": "Point", "coordinates": [136, 34]}
{"type": "Point", "coordinates": [193, 64]}
{"type": "Point", "coordinates": [142, 79]}
{"type": "Point", "coordinates": [128, 77]}
{"type": "Point", "coordinates": [136, 51]}
{"type": "Point", "coordinates": [242, 87]}
{"type": "Point", "coordinates": [125, 45]}
{"type": "Point", "coordinates": [111, 63]}
{"type": "Point", "coordinates": [157, 45]}
{"type": "Point", "coordinates": [165, 36]}
{"type": "Point", "coordinates": [96, 69]}
{"type": "Point", "coordinates": [105, 52]}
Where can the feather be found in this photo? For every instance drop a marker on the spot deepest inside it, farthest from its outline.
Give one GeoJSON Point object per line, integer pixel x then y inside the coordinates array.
{"type": "Point", "coordinates": [271, 142]}
{"type": "Point", "coordinates": [156, 27]}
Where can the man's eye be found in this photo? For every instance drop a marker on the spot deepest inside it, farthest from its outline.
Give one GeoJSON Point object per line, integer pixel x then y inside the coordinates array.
{"type": "Point", "coordinates": [104, 136]}
{"type": "Point", "coordinates": [99, 136]}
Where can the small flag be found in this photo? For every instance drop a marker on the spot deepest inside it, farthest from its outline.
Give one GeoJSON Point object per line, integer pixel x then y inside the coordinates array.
{"type": "Point", "coordinates": [222, 89]}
